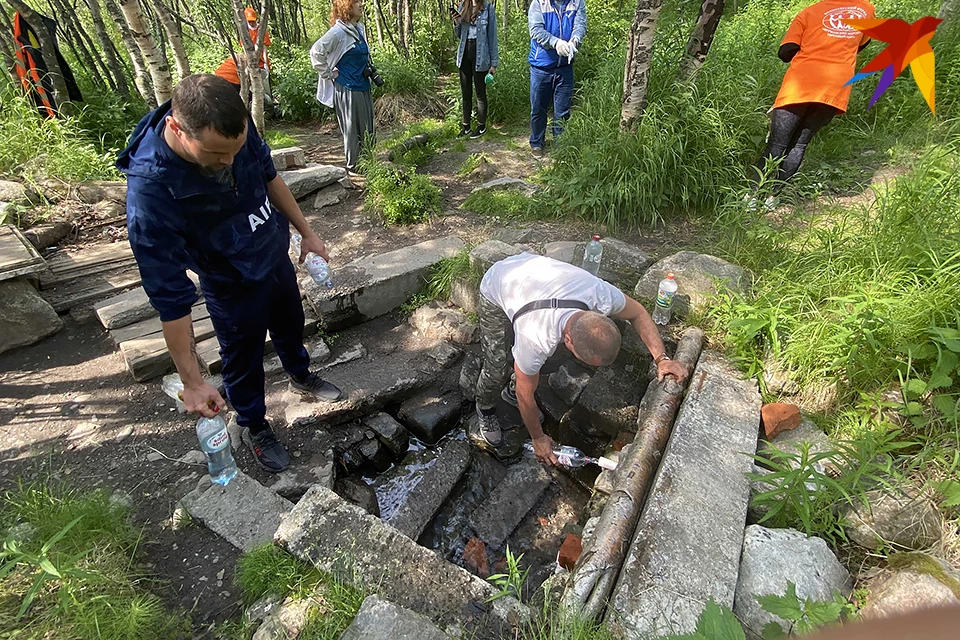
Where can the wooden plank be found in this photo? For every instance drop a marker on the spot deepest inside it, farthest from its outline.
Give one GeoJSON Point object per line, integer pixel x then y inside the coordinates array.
{"type": "Point", "coordinates": [17, 256]}
{"type": "Point", "coordinates": [151, 326]}
{"type": "Point", "coordinates": [49, 279]}
{"type": "Point", "coordinates": [208, 351]}
{"type": "Point", "coordinates": [130, 307]}
{"type": "Point", "coordinates": [90, 257]}
{"type": "Point", "coordinates": [65, 296]}
{"type": "Point", "coordinates": [147, 357]}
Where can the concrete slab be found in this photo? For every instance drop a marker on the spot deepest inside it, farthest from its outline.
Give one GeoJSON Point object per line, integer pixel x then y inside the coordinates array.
{"type": "Point", "coordinates": [426, 499]}
{"type": "Point", "coordinates": [431, 415]}
{"type": "Point", "coordinates": [343, 540]}
{"type": "Point", "coordinates": [380, 619]}
{"type": "Point", "coordinates": [244, 512]}
{"type": "Point", "coordinates": [510, 501]}
{"type": "Point", "coordinates": [687, 545]}
{"type": "Point", "coordinates": [313, 177]}
{"type": "Point", "coordinates": [374, 285]}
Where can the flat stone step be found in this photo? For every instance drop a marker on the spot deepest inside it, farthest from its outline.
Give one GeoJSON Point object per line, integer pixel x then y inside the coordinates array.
{"type": "Point", "coordinates": [375, 285]}
{"type": "Point", "coordinates": [426, 499]}
{"type": "Point", "coordinates": [687, 545]}
{"type": "Point", "coordinates": [510, 501]}
{"type": "Point", "coordinates": [342, 539]}
{"type": "Point", "coordinates": [245, 513]}
{"type": "Point", "coordinates": [380, 619]}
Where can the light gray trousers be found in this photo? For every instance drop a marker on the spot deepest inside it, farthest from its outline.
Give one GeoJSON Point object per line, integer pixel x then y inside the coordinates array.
{"type": "Point", "coordinates": [355, 117]}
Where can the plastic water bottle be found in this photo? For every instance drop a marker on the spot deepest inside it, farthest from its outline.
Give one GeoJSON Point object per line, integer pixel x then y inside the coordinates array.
{"type": "Point", "coordinates": [319, 270]}
{"type": "Point", "coordinates": [573, 457]}
{"type": "Point", "coordinates": [173, 387]}
{"type": "Point", "coordinates": [592, 255]}
{"type": "Point", "coordinates": [215, 442]}
{"type": "Point", "coordinates": [488, 79]}
{"type": "Point", "coordinates": [665, 296]}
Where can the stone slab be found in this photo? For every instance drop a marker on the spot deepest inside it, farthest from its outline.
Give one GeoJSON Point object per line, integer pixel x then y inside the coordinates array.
{"type": "Point", "coordinates": [687, 545]}
{"type": "Point", "coordinates": [245, 513]}
{"type": "Point", "coordinates": [312, 178]}
{"type": "Point", "coordinates": [431, 415]}
{"type": "Point", "coordinates": [509, 502]}
{"type": "Point", "coordinates": [288, 158]}
{"type": "Point", "coordinates": [374, 285]}
{"type": "Point", "coordinates": [390, 432]}
{"type": "Point", "coordinates": [329, 196]}
{"type": "Point", "coordinates": [341, 539]}
{"type": "Point", "coordinates": [773, 557]}
{"type": "Point", "coordinates": [485, 254]}
{"type": "Point", "coordinates": [423, 503]}
{"type": "Point", "coordinates": [380, 619]}
{"type": "Point", "coordinates": [124, 309]}
{"type": "Point", "coordinates": [609, 402]}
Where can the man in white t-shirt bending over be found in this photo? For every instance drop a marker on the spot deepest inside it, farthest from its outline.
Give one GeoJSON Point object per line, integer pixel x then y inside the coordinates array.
{"type": "Point", "coordinates": [542, 302]}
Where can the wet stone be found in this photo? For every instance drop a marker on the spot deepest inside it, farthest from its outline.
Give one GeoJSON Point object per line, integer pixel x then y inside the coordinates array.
{"type": "Point", "coordinates": [390, 432]}
{"type": "Point", "coordinates": [359, 493]}
{"type": "Point", "coordinates": [430, 416]}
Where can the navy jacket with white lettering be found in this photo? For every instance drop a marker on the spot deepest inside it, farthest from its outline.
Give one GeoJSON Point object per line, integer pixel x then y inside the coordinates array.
{"type": "Point", "coordinates": [178, 218]}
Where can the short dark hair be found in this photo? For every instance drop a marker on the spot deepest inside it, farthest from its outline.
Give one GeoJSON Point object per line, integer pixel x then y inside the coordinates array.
{"type": "Point", "coordinates": [595, 337]}
{"type": "Point", "coordinates": [204, 100]}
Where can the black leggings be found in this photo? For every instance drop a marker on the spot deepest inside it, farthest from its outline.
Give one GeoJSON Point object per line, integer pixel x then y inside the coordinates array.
{"type": "Point", "coordinates": [470, 78]}
{"type": "Point", "coordinates": [791, 129]}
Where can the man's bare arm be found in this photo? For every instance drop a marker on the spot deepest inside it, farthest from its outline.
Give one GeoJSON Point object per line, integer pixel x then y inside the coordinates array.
{"type": "Point", "coordinates": [282, 198]}
{"type": "Point", "coordinates": [643, 324]}
{"type": "Point", "coordinates": [527, 403]}
{"type": "Point", "coordinates": [198, 396]}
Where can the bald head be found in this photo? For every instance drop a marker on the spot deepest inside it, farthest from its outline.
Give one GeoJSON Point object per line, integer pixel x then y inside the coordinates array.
{"type": "Point", "coordinates": [593, 338]}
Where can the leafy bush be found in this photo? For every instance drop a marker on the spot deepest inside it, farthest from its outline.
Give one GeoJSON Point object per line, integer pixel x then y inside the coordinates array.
{"type": "Point", "coordinates": [294, 84]}
{"type": "Point", "coordinates": [805, 616]}
{"type": "Point", "coordinates": [400, 195]}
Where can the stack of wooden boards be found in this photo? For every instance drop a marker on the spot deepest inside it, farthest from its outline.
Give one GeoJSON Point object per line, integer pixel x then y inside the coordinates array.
{"type": "Point", "coordinates": [134, 326]}
{"type": "Point", "coordinates": [80, 277]}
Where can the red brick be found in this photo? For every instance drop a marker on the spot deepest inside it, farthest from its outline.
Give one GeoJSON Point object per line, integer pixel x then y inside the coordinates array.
{"type": "Point", "coordinates": [570, 550]}
{"type": "Point", "coordinates": [475, 557]}
{"type": "Point", "coordinates": [778, 417]}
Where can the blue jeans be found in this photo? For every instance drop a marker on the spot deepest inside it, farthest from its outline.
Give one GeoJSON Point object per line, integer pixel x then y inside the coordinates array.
{"type": "Point", "coordinates": [554, 86]}
{"type": "Point", "coordinates": [242, 315]}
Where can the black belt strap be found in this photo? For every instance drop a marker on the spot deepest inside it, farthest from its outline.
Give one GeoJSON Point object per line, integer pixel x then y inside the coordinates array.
{"type": "Point", "coordinates": [553, 303]}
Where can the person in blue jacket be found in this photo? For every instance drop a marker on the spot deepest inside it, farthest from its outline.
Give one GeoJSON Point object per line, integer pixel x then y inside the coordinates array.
{"type": "Point", "coordinates": [556, 29]}
{"type": "Point", "coordinates": [203, 195]}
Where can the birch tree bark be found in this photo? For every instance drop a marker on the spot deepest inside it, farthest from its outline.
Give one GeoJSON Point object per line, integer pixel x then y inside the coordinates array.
{"type": "Point", "coordinates": [153, 59]}
{"type": "Point", "coordinates": [698, 45]}
{"type": "Point", "coordinates": [636, 70]}
{"type": "Point", "coordinates": [71, 35]}
{"type": "Point", "coordinates": [174, 37]}
{"type": "Point", "coordinates": [48, 51]}
{"type": "Point", "coordinates": [112, 61]}
{"type": "Point", "coordinates": [408, 6]}
{"type": "Point", "coordinates": [251, 57]}
{"type": "Point", "coordinates": [141, 77]}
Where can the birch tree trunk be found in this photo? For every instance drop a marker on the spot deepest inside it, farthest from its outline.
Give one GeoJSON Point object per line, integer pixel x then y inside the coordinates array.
{"type": "Point", "coordinates": [71, 35]}
{"type": "Point", "coordinates": [251, 56]}
{"type": "Point", "coordinates": [141, 77]}
{"type": "Point", "coordinates": [408, 6]}
{"type": "Point", "coordinates": [113, 62]}
{"type": "Point", "coordinates": [378, 18]}
{"type": "Point", "coordinates": [174, 37]}
{"type": "Point", "coordinates": [698, 45]}
{"type": "Point", "coordinates": [636, 70]}
{"type": "Point", "coordinates": [154, 60]}
{"type": "Point", "coordinates": [48, 51]}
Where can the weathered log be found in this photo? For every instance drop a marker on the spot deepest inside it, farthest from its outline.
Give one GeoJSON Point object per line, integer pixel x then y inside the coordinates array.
{"type": "Point", "coordinates": [595, 574]}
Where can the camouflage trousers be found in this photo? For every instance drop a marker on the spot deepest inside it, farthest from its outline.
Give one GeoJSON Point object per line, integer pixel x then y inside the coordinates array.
{"type": "Point", "coordinates": [496, 339]}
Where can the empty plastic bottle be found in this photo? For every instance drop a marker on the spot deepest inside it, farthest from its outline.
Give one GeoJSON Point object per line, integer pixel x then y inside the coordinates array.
{"type": "Point", "coordinates": [665, 295]}
{"type": "Point", "coordinates": [592, 255]}
{"type": "Point", "coordinates": [215, 443]}
{"type": "Point", "coordinates": [316, 266]}
{"type": "Point", "coordinates": [573, 457]}
{"type": "Point", "coordinates": [173, 387]}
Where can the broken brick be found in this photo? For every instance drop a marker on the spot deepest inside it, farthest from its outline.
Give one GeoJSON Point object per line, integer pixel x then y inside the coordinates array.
{"type": "Point", "coordinates": [778, 417]}
{"type": "Point", "coordinates": [570, 551]}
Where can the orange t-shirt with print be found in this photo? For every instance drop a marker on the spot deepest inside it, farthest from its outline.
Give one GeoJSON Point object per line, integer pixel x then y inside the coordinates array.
{"type": "Point", "coordinates": [828, 53]}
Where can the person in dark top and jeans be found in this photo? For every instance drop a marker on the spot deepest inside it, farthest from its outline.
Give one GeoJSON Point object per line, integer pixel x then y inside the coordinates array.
{"type": "Point", "coordinates": [475, 25]}
{"type": "Point", "coordinates": [203, 195]}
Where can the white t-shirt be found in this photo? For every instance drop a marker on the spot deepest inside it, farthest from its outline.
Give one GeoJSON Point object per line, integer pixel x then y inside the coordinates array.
{"type": "Point", "coordinates": [518, 280]}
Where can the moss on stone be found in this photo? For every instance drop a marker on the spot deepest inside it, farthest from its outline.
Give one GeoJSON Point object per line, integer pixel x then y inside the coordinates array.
{"type": "Point", "coordinates": [924, 564]}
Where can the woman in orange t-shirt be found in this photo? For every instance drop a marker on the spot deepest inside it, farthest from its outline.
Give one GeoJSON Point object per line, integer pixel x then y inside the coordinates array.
{"type": "Point", "coordinates": [822, 51]}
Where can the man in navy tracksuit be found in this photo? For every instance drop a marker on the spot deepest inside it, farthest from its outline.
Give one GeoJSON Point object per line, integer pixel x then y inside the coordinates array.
{"type": "Point", "coordinates": [556, 29]}
{"type": "Point", "coordinates": [203, 194]}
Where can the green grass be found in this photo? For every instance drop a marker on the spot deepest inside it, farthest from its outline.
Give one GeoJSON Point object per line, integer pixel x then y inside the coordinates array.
{"type": "Point", "coordinates": [75, 578]}
{"type": "Point", "coordinates": [400, 195]}
{"type": "Point", "coordinates": [271, 570]}
{"type": "Point", "coordinates": [508, 204]}
{"type": "Point", "coordinates": [470, 164]}
{"type": "Point", "coordinates": [279, 139]}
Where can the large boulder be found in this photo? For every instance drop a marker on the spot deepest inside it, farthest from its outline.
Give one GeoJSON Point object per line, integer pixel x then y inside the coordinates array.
{"type": "Point", "coordinates": [433, 321]}
{"type": "Point", "coordinates": [569, 381]}
{"type": "Point", "coordinates": [773, 557]}
{"type": "Point", "coordinates": [312, 178]}
{"type": "Point", "coordinates": [912, 581]}
{"type": "Point", "coordinates": [621, 264]}
{"type": "Point", "coordinates": [903, 517]}
{"type": "Point", "coordinates": [698, 278]}
{"type": "Point", "coordinates": [25, 317]}
{"type": "Point", "coordinates": [609, 402]}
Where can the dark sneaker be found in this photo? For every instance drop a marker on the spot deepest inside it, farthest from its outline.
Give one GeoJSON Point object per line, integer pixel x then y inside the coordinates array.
{"type": "Point", "coordinates": [464, 131]}
{"type": "Point", "coordinates": [537, 152]}
{"type": "Point", "coordinates": [267, 450]}
{"type": "Point", "coordinates": [317, 387]}
{"type": "Point", "coordinates": [489, 429]}
{"type": "Point", "coordinates": [510, 397]}
{"type": "Point", "coordinates": [479, 131]}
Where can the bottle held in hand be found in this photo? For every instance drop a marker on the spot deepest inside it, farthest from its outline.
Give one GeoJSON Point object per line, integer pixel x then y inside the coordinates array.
{"type": "Point", "coordinates": [215, 443]}
{"type": "Point", "coordinates": [572, 457]}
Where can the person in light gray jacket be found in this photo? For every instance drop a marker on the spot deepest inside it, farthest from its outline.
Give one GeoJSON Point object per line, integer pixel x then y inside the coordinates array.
{"type": "Point", "coordinates": [475, 24]}
{"type": "Point", "coordinates": [342, 58]}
